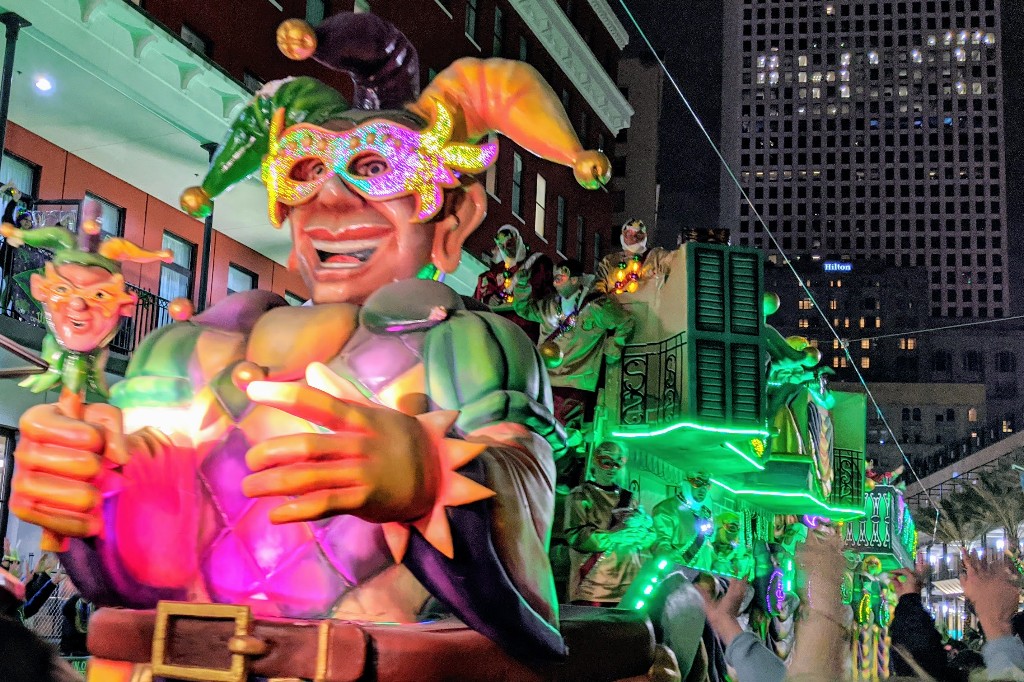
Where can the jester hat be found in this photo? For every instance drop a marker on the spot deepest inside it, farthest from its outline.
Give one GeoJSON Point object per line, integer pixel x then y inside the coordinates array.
{"type": "Point", "coordinates": [86, 248]}
{"type": "Point", "coordinates": [464, 104]}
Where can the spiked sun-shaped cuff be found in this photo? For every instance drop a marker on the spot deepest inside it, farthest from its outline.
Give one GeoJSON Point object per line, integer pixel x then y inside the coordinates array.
{"type": "Point", "coordinates": [453, 489]}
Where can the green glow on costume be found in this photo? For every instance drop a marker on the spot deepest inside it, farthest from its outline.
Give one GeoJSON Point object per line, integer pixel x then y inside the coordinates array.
{"type": "Point", "coordinates": [776, 493]}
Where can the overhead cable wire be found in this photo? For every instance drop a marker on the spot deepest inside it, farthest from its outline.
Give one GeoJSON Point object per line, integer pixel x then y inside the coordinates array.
{"type": "Point", "coordinates": [928, 330]}
{"type": "Point", "coordinates": [778, 247]}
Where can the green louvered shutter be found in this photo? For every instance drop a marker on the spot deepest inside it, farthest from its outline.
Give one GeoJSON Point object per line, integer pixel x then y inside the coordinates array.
{"type": "Point", "coordinates": [746, 382]}
{"type": "Point", "coordinates": [711, 379]}
{"type": "Point", "coordinates": [709, 294]}
{"type": "Point", "coordinates": [744, 293]}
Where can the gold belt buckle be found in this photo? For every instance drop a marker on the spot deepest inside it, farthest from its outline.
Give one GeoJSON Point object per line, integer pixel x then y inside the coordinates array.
{"type": "Point", "coordinates": [241, 644]}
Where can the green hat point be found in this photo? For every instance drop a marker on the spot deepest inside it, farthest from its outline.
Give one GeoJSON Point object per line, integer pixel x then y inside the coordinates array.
{"type": "Point", "coordinates": [304, 100]}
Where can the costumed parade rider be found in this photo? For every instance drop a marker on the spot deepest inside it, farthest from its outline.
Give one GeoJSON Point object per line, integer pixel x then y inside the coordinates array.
{"type": "Point", "coordinates": [683, 522]}
{"type": "Point", "coordinates": [496, 285]}
{"type": "Point", "coordinates": [627, 270]}
{"type": "Point", "coordinates": [606, 532]}
{"type": "Point", "coordinates": [579, 328]}
{"type": "Point", "coordinates": [353, 458]}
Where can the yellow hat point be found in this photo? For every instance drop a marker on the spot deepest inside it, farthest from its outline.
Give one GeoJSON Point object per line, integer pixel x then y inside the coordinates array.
{"type": "Point", "coordinates": [592, 169]}
{"type": "Point", "coordinates": [196, 202]}
{"type": "Point", "coordinates": [296, 39]}
{"type": "Point", "coordinates": [91, 227]}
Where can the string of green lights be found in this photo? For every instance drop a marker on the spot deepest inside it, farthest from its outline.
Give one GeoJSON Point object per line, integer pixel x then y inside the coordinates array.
{"type": "Point", "coordinates": [778, 247]}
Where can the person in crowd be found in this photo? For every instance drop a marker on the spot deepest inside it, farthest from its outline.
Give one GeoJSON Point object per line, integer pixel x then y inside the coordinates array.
{"type": "Point", "coordinates": [822, 640]}
{"type": "Point", "coordinates": [992, 587]}
{"type": "Point", "coordinates": [606, 532]}
{"type": "Point", "coordinates": [23, 656]}
{"type": "Point", "coordinates": [915, 641]}
{"type": "Point", "coordinates": [11, 561]}
{"type": "Point", "coordinates": [76, 612]}
{"type": "Point", "coordinates": [627, 270]}
{"type": "Point", "coordinates": [44, 582]}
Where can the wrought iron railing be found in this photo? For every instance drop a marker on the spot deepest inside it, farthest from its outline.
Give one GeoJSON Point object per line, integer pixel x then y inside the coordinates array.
{"type": "Point", "coordinates": [848, 481]}
{"type": "Point", "coordinates": [150, 311]}
{"type": "Point", "coordinates": [651, 383]}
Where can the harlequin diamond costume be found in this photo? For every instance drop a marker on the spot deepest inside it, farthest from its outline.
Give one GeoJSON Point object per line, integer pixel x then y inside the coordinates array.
{"type": "Point", "coordinates": [627, 270]}
{"type": "Point", "coordinates": [355, 460]}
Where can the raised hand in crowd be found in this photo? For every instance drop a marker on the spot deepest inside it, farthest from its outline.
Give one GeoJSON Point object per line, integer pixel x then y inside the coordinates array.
{"type": "Point", "coordinates": [992, 587]}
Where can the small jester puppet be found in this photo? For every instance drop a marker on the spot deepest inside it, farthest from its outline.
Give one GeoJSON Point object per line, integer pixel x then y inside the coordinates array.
{"type": "Point", "coordinates": [351, 459]}
{"type": "Point", "coordinates": [83, 298]}
{"type": "Point", "coordinates": [625, 271]}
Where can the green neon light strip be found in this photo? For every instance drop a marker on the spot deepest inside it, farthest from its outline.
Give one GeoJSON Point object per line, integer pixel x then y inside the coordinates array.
{"type": "Point", "coordinates": [775, 493]}
{"type": "Point", "coordinates": [690, 425]}
{"type": "Point", "coordinates": [757, 465]}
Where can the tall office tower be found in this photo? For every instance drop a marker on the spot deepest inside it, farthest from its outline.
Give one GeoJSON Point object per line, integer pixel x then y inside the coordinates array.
{"type": "Point", "coordinates": [873, 129]}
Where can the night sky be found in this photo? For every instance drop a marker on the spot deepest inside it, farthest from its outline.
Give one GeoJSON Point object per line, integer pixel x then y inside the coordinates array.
{"type": "Point", "coordinates": [687, 167]}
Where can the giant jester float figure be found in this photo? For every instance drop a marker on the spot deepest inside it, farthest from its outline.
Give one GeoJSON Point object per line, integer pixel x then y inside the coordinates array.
{"type": "Point", "coordinates": [287, 476]}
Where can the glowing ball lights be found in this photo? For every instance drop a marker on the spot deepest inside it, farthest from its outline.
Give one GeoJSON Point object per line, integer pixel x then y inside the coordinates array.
{"type": "Point", "coordinates": [627, 277]}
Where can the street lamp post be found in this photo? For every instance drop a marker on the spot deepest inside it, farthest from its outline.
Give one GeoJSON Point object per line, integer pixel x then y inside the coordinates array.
{"type": "Point", "coordinates": [204, 274]}
{"type": "Point", "coordinates": [14, 24]}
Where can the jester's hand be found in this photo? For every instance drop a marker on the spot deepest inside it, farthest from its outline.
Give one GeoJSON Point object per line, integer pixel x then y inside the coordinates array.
{"type": "Point", "coordinates": [59, 463]}
{"type": "Point", "coordinates": [373, 462]}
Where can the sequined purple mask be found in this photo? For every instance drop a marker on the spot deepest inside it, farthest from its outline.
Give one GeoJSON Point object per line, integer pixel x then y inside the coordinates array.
{"type": "Point", "coordinates": [410, 162]}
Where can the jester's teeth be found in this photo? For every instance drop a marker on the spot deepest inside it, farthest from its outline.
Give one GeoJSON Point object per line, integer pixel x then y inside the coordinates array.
{"type": "Point", "coordinates": [345, 246]}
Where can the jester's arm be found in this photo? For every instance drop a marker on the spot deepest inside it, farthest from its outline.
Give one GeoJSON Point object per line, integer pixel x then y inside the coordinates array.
{"type": "Point", "coordinates": [499, 580]}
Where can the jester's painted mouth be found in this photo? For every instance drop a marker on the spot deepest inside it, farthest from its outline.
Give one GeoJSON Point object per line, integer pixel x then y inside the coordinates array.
{"type": "Point", "coordinates": [345, 249]}
{"type": "Point", "coordinates": [345, 254]}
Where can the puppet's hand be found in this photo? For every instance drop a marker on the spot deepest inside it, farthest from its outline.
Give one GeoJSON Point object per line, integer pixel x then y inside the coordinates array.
{"type": "Point", "coordinates": [366, 460]}
{"type": "Point", "coordinates": [60, 461]}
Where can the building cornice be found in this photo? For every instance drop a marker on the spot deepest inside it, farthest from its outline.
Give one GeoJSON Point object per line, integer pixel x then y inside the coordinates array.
{"type": "Point", "coordinates": [611, 22]}
{"type": "Point", "coordinates": [139, 57]}
{"type": "Point", "coordinates": [565, 45]}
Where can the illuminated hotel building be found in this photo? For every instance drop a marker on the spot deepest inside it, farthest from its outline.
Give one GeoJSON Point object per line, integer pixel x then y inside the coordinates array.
{"type": "Point", "coordinates": [873, 129]}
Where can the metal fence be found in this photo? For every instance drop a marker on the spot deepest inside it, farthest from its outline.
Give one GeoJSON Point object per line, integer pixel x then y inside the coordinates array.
{"type": "Point", "coordinates": [48, 622]}
{"type": "Point", "coordinates": [651, 382]}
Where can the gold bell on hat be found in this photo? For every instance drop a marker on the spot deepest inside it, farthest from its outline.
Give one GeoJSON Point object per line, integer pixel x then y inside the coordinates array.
{"type": "Point", "coordinates": [551, 354]}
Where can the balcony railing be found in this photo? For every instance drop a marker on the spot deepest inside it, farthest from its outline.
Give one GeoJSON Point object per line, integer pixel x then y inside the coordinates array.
{"type": "Point", "coordinates": [848, 481]}
{"type": "Point", "coordinates": [150, 311]}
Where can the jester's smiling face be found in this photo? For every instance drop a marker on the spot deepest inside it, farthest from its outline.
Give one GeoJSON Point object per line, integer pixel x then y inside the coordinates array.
{"type": "Point", "coordinates": [83, 304]}
{"type": "Point", "coordinates": [365, 199]}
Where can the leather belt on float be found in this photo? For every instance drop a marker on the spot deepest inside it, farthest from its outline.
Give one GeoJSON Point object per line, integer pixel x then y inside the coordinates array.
{"type": "Point", "coordinates": [224, 643]}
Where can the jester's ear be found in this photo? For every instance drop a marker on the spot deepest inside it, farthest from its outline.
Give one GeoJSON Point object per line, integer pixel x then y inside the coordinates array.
{"type": "Point", "coordinates": [127, 308]}
{"type": "Point", "coordinates": [39, 286]}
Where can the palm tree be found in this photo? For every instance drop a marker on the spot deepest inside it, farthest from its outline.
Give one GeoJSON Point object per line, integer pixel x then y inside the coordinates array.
{"type": "Point", "coordinates": [998, 497]}
{"type": "Point", "coordinates": [961, 520]}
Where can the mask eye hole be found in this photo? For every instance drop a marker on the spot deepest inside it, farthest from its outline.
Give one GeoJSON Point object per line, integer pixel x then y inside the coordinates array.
{"type": "Point", "coordinates": [368, 166]}
{"type": "Point", "coordinates": [307, 170]}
